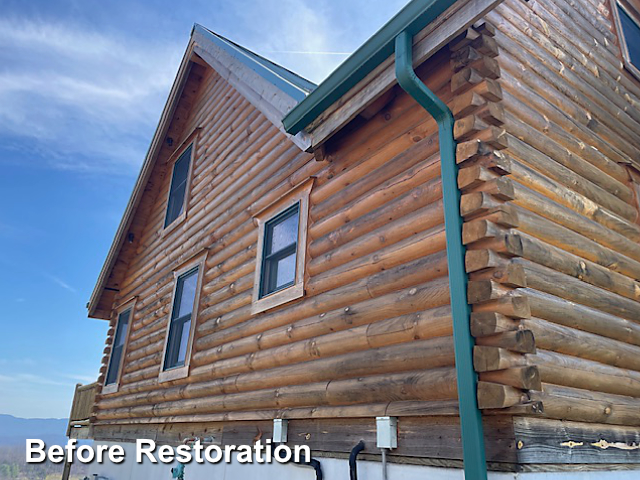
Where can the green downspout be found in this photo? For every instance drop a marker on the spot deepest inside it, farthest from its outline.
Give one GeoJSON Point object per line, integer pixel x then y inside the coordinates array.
{"type": "Point", "coordinates": [475, 465]}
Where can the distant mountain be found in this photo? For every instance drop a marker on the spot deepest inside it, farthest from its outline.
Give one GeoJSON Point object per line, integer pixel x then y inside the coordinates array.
{"type": "Point", "coordinates": [14, 431]}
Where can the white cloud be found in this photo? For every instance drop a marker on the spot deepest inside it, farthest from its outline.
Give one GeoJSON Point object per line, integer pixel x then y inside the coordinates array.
{"type": "Point", "coordinates": [294, 27]}
{"type": "Point", "coordinates": [84, 100]}
{"type": "Point", "coordinates": [61, 283]}
{"type": "Point", "coordinates": [80, 377]}
{"type": "Point", "coordinates": [28, 379]}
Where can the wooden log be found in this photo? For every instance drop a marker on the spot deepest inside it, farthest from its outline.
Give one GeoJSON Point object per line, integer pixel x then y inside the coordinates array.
{"type": "Point", "coordinates": [515, 307]}
{"type": "Point", "coordinates": [511, 275]}
{"type": "Point", "coordinates": [419, 197]}
{"type": "Point", "coordinates": [477, 204]}
{"type": "Point", "coordinates": [532, 158]}
{"type": "Point", "coordinates": [390, 359]}
{"type": "Point", "coordinates": [387, 139]}
{"type": "Point", "coordinates": [585, 270]}
{"type": "Point", "coordinates": [419, 245]}
{"type": "Point", "coordinates": [377, 197]}
{"type": "Point", "coordinates": [480, 291]}
{"type": "Point", "coordinates": [355, 339]}
{"type": "Point", "coordinates": [539, 106]}
{"type": "Point", "coordinates": [434, 384]}
{"type": "Point", "coordinates": [547, 280]}
{"type": "Point", "coordinates": [229, 277]}
{"type": "Point", "coordinates": [567, 403]}
{"type": "Point", "coordinates": [402, 276]}
{"type": "Point", "coordinates": [574, 162]}
{"type": "Point", "coordinates": [413, 223]}
{"type": "Point", "coordinates": [576, 202]}
{"type": "Point", "coordinates": [224, 212]}
{"type": "Point", "coordinates": [526, 378]}
{"type": "Point", "coordinates": [578, 244]}
{"type": "Point", "coordinates": [407, 301]}
{"type": "Point", "coordinates": [585, 374]}
{"type": "Point", "coordinates": [569, 341]}
{"type": "Point", "coordinates": [468, 127]}
{"type": "Point", "coordinates": [345, 110]}
{"type": "Point", "coordinates": [570, 314]}
{"type": "Point", "coordinates": [464, 39]}
{"type": "Point", "coordinates": [242, 284]}
{"type": "Point", "coordinates": [396, 408]}
{"type": "Point", "coordinates": [494, 395]}
{"type": "Point", "coordinates": [465, 80]}
{"type": "Point", "coordinates": [486, 359]}
{"type": "Point", "coordinates": [566, 38]}
{"type": "Point", "coordinates": [467, 152]}
{"type": "Point", "coordinates": [566, 217]}
{"type": "Point", "coordinates": [484, 324]}
{"type": "Point", "coordinates": [516, 23]}
{"type": "Point", "coordinates": [371, 172]}
{"type": "Point", "coordinates": [562, 79]}
{"type": "Point", "coordinates": [470, 57]}
{"type": "Point", "coordinates": [522, 341]}
{"type": "Point", "coordinates": [474, 176]}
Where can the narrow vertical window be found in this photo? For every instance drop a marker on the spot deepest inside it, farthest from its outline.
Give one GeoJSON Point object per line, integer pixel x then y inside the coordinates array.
{"type": "Point", "coordinates": [180, 325]}
{"type": "Point", "coordinates": [627, 18]}
{"type": "Point", "coordinates": [115, 362]}
{"type": "Point", "coordinates": [178, 189]}
{"type": "Point", "coordinates": [280, 251]}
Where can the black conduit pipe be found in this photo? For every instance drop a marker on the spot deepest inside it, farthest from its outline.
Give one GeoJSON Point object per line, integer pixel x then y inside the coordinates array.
{"type": "Point", "coordinates": [353, 466]}
{"type": "Point", "coordinates": [313, 463]}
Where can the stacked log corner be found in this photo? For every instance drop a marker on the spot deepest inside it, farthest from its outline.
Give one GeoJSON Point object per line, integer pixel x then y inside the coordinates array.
{"type": "Point", "coordinates": [501, 341]}
{"type": "Point", "coordinates": [551, 220]}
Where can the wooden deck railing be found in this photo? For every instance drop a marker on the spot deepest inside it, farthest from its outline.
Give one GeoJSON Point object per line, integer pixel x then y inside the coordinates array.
{"type": "Point", "coordinates": [83, 401]}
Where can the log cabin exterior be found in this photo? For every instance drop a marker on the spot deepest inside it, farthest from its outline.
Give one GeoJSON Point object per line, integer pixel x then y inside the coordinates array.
{"type": "Point", "coordinates": [546, 96]}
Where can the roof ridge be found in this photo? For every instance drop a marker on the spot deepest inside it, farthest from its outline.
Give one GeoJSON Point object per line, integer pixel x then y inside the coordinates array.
{"type": "Point", "coordinates": [306, 86]}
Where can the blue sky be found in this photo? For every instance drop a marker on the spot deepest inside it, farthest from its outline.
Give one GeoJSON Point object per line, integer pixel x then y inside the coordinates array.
{"type": "Point", "coordinates": [82, 85]}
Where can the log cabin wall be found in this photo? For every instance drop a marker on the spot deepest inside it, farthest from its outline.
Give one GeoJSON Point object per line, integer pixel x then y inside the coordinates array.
{"type": "Point", "coordinates": [372, 335]}
{"type": "Point", "coordinates": [552, 221]}
{"type": "Point", "coordinates": [546, 127]}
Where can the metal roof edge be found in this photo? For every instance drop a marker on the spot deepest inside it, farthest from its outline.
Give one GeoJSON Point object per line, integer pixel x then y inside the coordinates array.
{"type": "Point", "coordinates": [290, 83]}
{"type": "Point", "coordinates": [412, 18]}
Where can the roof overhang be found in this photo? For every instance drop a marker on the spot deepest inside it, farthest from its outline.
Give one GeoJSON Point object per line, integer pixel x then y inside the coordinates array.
{"type": "Point", "coordinates": [369, 71]}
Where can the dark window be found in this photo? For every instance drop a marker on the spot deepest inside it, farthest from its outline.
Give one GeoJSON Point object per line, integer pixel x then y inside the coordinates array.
{"type": "Point", "coordinates": [175, 205]}
{"type": "Point", "coordinates": [631, 32]}
{"type": "Point", "coordinates": [180, 326]}
{"type": "Point", "coordinates": [118, 347]}
{"type": "Point", "coordinates": [279, 252]}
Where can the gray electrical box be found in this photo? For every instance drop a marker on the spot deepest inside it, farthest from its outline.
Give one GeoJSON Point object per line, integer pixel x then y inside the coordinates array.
{"type": "Point", "coordinates": [280, 430]}
{"type": "Point", "coordinates": [387, 432]}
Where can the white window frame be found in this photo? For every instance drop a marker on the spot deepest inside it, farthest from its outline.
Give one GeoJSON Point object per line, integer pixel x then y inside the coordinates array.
{"type": "Point", "coordinates": [175, 373]}
{"type": "Point", "coordinates": [633, 10]}
{"type": "Point", "coordinates": [190, 141]}
{"type": "Point", "coordinates": [128, 305]}
{"type": "Point", "coordinates": [299, 194]}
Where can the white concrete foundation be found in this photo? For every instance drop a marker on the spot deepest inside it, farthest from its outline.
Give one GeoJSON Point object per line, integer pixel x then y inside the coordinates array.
{"type": "Point", "coordinates": [333, 469]}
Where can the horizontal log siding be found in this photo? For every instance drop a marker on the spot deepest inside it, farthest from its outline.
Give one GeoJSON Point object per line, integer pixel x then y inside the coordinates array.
{"type": "Point", "coordinates": [571, 246]}
{"type": "Point", "coordinates": [374, 327]}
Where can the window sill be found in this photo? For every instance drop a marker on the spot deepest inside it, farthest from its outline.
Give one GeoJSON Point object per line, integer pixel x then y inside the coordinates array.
{"type": "Point", "coordinates": [173, 225]}
{"type": "Point", "coordinates": [173, 374]}
{"type": "Point", "coordinates": [109, 389]}
{"type": "Point", "coordinates": [632, 70]}
{"type": "Point", "coordinates": [278, 298]}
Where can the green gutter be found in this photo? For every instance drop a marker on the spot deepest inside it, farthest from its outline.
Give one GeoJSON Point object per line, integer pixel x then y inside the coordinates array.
{"type": "Point", "coordinates": [412, 18]}
{"type": "Point", "coordinates": [475, 465]}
